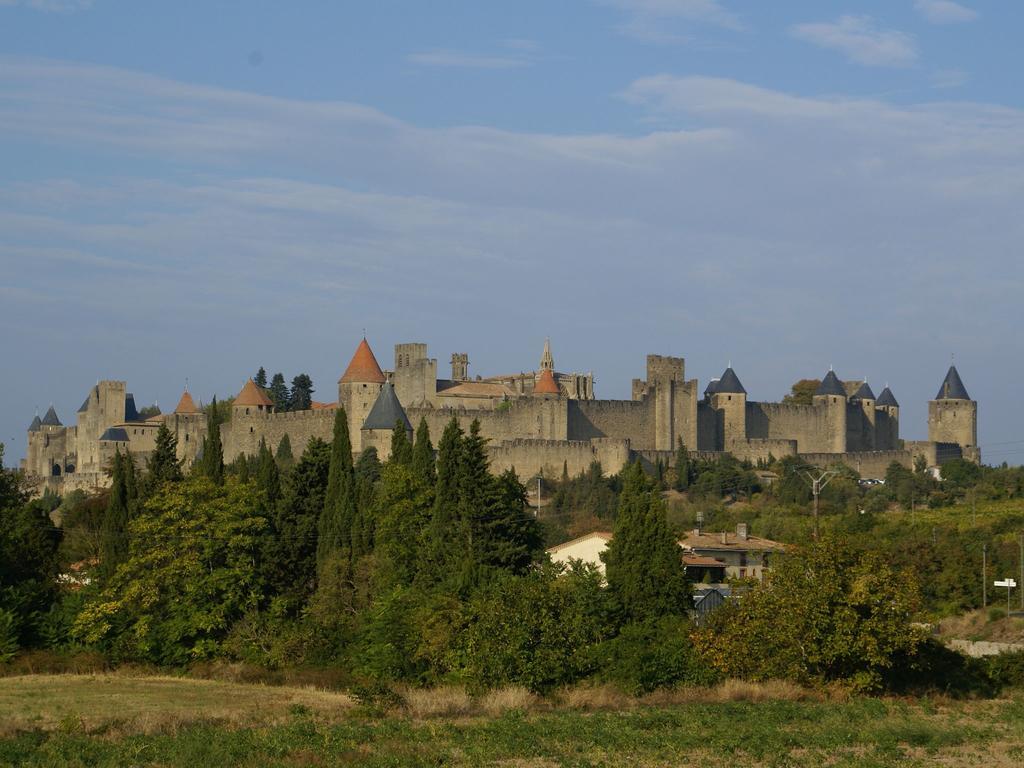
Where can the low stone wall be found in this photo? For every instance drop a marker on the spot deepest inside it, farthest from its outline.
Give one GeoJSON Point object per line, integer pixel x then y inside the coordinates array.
{"type": "Point", "coordinates": [978, 648]}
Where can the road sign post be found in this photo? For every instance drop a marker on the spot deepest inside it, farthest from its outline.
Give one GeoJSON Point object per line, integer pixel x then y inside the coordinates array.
{"type": "Point", "coordinates": [1009, 584]}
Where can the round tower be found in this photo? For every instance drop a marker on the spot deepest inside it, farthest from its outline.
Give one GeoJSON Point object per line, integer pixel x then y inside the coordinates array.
{"type": "Point", "coordinates": [729, 400]}
{"type": "Point", "coordinates": [952, 415]}
{"type": "Point", "coordinates": [358, 389]}
{"type": "Point", "coordinates": [830, 397]}
{"type": "Point", "coordinates": [887, 421]}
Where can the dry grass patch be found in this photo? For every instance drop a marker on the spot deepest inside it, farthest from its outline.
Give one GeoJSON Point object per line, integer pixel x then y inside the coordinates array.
{"type": "Point", "coordinates": [443, 701]}
{"type": "Point", "coordinates": [592, 698]}
{"type": "Point", "coordinates": [501, 700]}
{"type": "Point", "coordinates": [151, 704]}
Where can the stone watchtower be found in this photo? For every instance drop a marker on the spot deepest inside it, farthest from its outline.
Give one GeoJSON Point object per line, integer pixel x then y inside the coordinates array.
{"type": "Point", "coordinates": [729, 400]}
{"type": "Point", "coordinates": [387, 412]}
{"type": "Point", "coordinates": [861, 419]}
{"type": "Point", "coordinates": [358, 389]}
{"type": "Point", "coordinates": [887, 421]}
{"type": "Point", "coordinates": [953, 416]}
{"type": "Point", "coordinates": [830, 398]}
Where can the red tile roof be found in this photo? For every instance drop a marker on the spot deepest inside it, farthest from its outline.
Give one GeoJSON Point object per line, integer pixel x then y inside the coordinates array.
{"type": "Point", "coordinates": [364, 367]}
{"type": "Point", "coordinates": [252, 395]}
{"type": "Point", "coordinates": [186, 404]}
{"type": "Point", "coordinates": [546, 384]}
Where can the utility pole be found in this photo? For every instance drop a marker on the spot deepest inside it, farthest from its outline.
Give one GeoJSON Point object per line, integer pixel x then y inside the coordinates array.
{"type": "Point", "coordinates": [816, 487]}
{"type": "Point", "coordinates": [536, 512]}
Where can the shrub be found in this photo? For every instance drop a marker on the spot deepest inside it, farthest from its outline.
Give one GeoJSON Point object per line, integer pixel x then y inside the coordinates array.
{"type": "Point", "coordinates": [537, 630]}
{"type": "Point", "coordinates": [652, 654]}
{"type": "Point", "coordinates": [995, 613]}
{"type": "Point", "coordinates": [1007, 669]}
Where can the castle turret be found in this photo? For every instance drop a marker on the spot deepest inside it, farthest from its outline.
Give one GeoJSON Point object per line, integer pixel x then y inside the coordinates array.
{"type": "Point", "coordinates": [860, 419]}
{"type": "Point", "coordinates": [50, 421]}
{"type": "Point", "coordinates": [887, 421]}
{"type": "Point", "coordinates": [386, 413]}
{"type": "Point", "coordinates": [830, 397]}
{"type": "Point", "coordinates": [251, 400]}
{"type": "Point", "coordinates": [952, 415]}
{"type": "Point", "coordinates": [358, 389]}
{"type": "Point", "coordinates": [186, 405]}
{"type": "Point", "coordinates": [460, 366]}
{"type": "Point", "coordinates": [729, 400]}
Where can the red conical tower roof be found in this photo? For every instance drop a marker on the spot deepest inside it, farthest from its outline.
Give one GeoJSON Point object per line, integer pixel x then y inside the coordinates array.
{"type": "Point", "coordinates": [546, 384]}
{"type": "Point", "coordinates": [364, 367]}
{"type": "Point", "coordinates": [252, 395]}
{"type": "Point", "coordinates": [186, 404]}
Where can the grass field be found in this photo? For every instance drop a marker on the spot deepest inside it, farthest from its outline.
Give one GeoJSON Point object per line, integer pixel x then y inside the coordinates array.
{"type": "Point", "coordinates": [117, 720]}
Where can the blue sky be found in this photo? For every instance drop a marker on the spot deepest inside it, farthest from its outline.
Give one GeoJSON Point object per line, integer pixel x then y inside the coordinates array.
{"type": "Point", "coordinates": [195, 189]}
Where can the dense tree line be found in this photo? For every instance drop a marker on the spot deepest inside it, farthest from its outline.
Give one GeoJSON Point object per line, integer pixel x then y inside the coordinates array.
{"type": "Point", "coordinates": [298, 398]}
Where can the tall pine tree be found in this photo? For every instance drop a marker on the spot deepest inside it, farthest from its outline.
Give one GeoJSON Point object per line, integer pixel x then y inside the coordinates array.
{"type": "Point", "coordinates": [335, 527]}
{"type": "Point", "coordinates": [423, 459]}
{"type": "Point", "coordinates": [163, 465]}
{"type": "Point", "coordinates": [261, 378]}
{"type": "Point", "coordinates": [301, 396]}
{"type": "Point", "coordinates": [644, 562]}
{"type": "Point", "coordinates": [278, 393]}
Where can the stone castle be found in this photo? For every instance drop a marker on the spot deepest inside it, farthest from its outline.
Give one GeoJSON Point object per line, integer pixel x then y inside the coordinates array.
{"type": "Point", "coordinates": [538, 422]}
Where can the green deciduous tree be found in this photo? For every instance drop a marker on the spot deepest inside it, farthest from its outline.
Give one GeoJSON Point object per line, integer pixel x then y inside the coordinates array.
{"type": "Point", "coordinates": [827, 614]}
{"type": "Point", "coordinates": [190, 573]}
{"type": "Point", "coordinates": [644, 561]}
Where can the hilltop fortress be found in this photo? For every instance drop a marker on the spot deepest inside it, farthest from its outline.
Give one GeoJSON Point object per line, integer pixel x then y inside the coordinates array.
{"type": "Point", "coordinates": [536, 422]}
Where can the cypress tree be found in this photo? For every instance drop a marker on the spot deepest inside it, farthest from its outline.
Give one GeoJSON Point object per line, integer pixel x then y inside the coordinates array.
{"type": "Point", "coordinates": [163, 465]}
{"type": "Point", "coordinates": [260, 379]}
{"type": "Point", "coordinates": [213, 451]}
{"type": "Point", "coordinates": [423, 455]}
{"type": "Point", "coordinates": [401, 448]}
{"type": "Point", "coordinates": [284, 456]}
{"type": "Point", "coordinates": [511, 536]}
{"type": "Point", "coordinates": [267, 478]}
{"type": "Point", "coordinates": [442, 542]}
{"type": "Point", "coordinates": [682, 467]}
{"type": "Point", "coordinates": [367, 473]}
{"type": "Point", "coordinates": [278, 393]}
{"type": "Point", "coordinates": [241, 468]}
{"type": "Point", "coordinates": [114, 529]}
{"type": "Point", "coordinates": [644, 563]}
{"type": "Point", "coordinates": [335, 526]}
{"type": "Point", "coordinates": [475, 502]}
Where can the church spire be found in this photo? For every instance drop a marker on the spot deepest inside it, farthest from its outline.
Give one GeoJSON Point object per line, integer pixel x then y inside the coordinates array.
{"type": "Point", "coordinates": [547, 362]}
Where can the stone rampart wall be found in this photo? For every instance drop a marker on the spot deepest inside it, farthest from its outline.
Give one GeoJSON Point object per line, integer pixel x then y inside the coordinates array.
{"type": "Point", "coordinates": [631, 420]}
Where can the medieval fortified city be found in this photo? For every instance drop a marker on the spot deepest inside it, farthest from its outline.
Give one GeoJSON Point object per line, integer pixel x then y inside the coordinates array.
{"type": "Point", "coordinates": [527, 384]}
{"type": "Point", "coordinates": [536, 423]}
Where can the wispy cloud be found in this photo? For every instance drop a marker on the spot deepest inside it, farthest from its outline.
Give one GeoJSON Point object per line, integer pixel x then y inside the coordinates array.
{"type": "Point", "coordinates": [671, 21]}
{"type": "Point", "coordinates": [375, 213]}
{"type": "Point", "coordinates": [949, 78]}
{"type": "Point", "coordinates": [51, 6]}
{"type": "Point", "coordinates": [860, 40]}
{"type": "Point", "coordinates": [444, 57]}
{"type": "Point", "coordinates": [945, 11]}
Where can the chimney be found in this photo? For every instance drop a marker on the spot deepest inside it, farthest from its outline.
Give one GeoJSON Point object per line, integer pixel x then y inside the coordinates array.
{"type": "Point", "coordinates": [741, 531]}
{"type": "Point", "coordinates": [725, 537]}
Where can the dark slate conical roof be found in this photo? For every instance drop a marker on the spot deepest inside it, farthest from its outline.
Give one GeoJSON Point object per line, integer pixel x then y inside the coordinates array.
{"type": "Point", "coordinates": [887, 398]}
{"type": "Point", "coordinates": [831, 385]}
{"type": "Point", "coordinates": [387, 411]}
{"type": "Point", "coordinates": [36, 424]}
{"type": "Point", "coordinates": [131, 413]}
{"type": "Point", "coordinates": [730, 383]}
{"type": "Point", "coordinates": [85, 404]}
{"type": "Point", "coordinates": [952, 387]}
{"type": "Point", "coordinates": [712, 387]}
{"type": "Point", "coordinates": [864, 393]}
{"type": "Point", "coordinates": [50, 419]}
{"type": "Point", "coordinates": [117, 434]}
